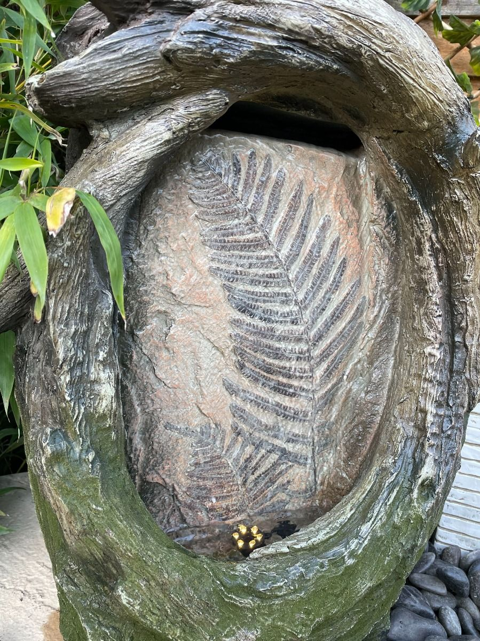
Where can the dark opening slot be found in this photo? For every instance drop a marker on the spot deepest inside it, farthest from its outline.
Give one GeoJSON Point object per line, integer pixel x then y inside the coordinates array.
{"type": "Point", "coordinates": [252, 118]}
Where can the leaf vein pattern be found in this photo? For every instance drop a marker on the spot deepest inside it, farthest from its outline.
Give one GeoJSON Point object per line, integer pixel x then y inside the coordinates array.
{"type": "Point", "coordinates": [295, 323]}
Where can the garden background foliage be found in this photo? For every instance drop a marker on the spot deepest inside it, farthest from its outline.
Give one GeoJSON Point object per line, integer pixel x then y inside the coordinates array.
{"type": "Point", "coordinates": [32, 204]}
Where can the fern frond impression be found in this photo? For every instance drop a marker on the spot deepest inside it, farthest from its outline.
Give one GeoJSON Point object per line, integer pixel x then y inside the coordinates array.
{"type": "Point", "coordinates": [295, 319]}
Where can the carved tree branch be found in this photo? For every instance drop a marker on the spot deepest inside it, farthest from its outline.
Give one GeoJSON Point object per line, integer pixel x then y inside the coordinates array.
{"type": "Point", "coordinates": [118, 575]}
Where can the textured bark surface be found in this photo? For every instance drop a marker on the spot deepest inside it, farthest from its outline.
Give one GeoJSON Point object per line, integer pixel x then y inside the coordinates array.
{"type": "Point", "coordinates": [118, 575]}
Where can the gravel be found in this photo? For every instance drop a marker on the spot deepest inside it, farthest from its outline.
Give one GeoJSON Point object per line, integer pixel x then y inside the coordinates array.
{"type": "Point", "coordinates": [441, 599]}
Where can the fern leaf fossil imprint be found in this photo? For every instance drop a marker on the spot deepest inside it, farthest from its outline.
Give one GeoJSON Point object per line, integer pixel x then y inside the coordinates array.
{"type": "Point", "coordinates": [280, 277]}
{"type": "Point", "coordinates": [277, 257]}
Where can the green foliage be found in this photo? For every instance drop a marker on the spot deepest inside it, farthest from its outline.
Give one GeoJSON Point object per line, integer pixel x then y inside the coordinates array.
{"type": "Point", "coordinates": [415, 5]}
{"type": "Point", "coordinates": [463, 79]}
{"type": "Point", "coordinates": [437, 18]}
{"type": "Point", "coordinates": [7, 348]}
{"type": "Point", "coordinates": [460, 32]}
{"type": "Point", "coordinates": [31, 168]}
{"type": "Point", "coordinates": [110, 244]}
{"type": "Point", "coordinates": [475, 60]}
{"type": "Point", "coordinates": [32, 162]}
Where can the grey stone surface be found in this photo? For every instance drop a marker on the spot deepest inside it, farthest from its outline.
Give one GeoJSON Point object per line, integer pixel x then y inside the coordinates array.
{"type": "Point", "coordinates": [412, 599]}
{"type": "Point", "coordinates": [438, 563]}
{"type": "Point", "coordinates": [474, 578]}
{"type": "Point", "coordinates": [408, 626]}
{"type": "Point", "coordinates": [430, 583]}
{"type": "Point", "coordinates": [28, 598]}
{"type": "Point", "coordinates": [436, 601]}
{"type": "Point", "coordinates": [468, 605]}
{"type": "Point", "coordinates": [469, 559]}
{"type": "Point", "coordinates": [452, 554]}
{"type": "Point", "coordinates": [467, 623]}
{"type": "Point", "coordinates": [424, 562]}
{"type": "Point", "coordinates": [455, 579]}
{"type": "Point", "coordinates": [450, 621]}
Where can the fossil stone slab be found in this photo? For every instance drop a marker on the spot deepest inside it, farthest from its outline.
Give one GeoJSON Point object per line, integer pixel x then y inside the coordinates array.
{"type": "Point", "coordinates": [258, 336]}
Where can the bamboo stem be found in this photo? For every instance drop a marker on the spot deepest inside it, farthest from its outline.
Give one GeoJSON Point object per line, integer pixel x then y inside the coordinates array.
{"type": "Point", "coordinates": [427, 13]}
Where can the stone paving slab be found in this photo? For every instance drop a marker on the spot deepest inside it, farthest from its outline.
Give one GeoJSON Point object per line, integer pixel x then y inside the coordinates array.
{"type": "Point", "coordinates": [28, 598]}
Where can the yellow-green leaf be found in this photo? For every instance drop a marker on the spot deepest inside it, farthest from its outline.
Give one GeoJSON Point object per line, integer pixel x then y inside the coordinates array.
{"type": "Point", "coordinates": [10, 41]}
{"type": "Point", "coordinates": [38, 309]}
{"type": "Point", "coordinates": [32, 245]}
{"type": "Point", "coordinates": [58, 209]}
{"type": "Point", "coordinates": [7, 240]}
{"type": "Point", "coordinates": [7, 377]}
{"type": "Point", "coordinates": [475, 59]}
{"type": "Point", "coordinates": [7, 66]}
{"type": "Point", "coordinates": [110, 244]}
{"type": "Point", "coordinates": [19, 164]}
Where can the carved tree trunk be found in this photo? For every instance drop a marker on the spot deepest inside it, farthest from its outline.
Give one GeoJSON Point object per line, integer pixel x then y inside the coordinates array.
{"type": "Point", "coordinates": [144, 91]}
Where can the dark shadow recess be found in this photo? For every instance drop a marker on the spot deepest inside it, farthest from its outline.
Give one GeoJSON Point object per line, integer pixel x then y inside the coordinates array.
{"type": "Point", "coordinates": [259, 120]}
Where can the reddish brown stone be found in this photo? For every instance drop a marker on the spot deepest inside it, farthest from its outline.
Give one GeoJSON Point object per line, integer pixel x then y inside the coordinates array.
{"type": "Point", "coordinates": [257, 268]}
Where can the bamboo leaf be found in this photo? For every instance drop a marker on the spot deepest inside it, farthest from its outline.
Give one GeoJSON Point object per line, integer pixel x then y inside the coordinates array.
{"type": "Point", "coordinates": [34, 9]}
{"type": "Point", "coordinates": [7, 240]}
{"type": "Point", "coordinates": [8, 431]}
{"type": "Point", "coordinates": [7, 376]}
{"type": "Point", "coordinates": [14, 446]}
{"type": "Point", "coordinates": [32, 245]}
{"type": "Point", "coordinates": [39, 201]}
{"type": "Point", "coordinates": [9, 58]}
{"type": "Point", "coordinates": [58, 209]}
{"type": "Point", "coordinates": [19, 164]}
{"type": "Point", "coordinates": [38, 309]}
{"type": "Point", "coordinates": [110, 244]}
{"type": "Point", "coordinates": [18, 20]}
{"type": "Point", "coordinates": [16, 413]}
{"type": "Point", "coordinates": [25, 129]}
{"type": "Point", "coordinates": [29, 42]}
{"type": "Point", "coordinates": [8, 206]}
{"type": "Point", "coordinates": [10, 41]}
{"type": "Point", "coordinates": [46, 151]}
{"type": "Point", "coordinates": [6, 104]}
{"type": "Point", "coordinates": [7, 66]}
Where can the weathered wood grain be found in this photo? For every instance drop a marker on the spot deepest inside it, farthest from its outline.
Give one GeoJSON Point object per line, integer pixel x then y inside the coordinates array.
{"type": "Point", "coordinates": [119, 576]}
